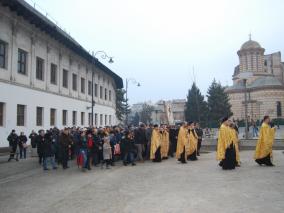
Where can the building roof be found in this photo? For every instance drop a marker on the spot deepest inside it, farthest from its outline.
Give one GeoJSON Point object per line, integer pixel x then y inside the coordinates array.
{"type": "Point", "coordinates": [259, 83]}
{"type": "Point", "coordinates": [33, 16]}
{"type": "Point", "coordinates": [250, 44]}
{"type": "Point", "coordinates": [265, 81]}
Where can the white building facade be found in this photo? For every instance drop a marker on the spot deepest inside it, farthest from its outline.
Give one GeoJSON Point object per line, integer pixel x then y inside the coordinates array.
{"type": "Point", "coordinates": [46, 76]}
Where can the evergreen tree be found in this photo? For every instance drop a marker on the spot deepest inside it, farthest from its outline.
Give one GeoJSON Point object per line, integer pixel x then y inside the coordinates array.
{"type": "Point", "coordinates": [121, 104]}
{"type": "Point", "coordinates": [146, 113]}
{"type": "Point", "coordinates": [135, 119]}
{"type": "Point", "coordinates": [196, 107]}
{"type": "Point", "coordinates": [218, 103]}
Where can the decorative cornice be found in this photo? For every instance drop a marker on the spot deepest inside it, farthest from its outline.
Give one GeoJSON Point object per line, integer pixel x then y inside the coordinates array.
{"type": "Point", "coordinates": [254, 89]}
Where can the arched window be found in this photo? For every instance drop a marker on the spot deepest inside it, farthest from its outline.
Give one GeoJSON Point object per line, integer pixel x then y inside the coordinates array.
{"type": "Point", "coordinates": [278, 109]}
{"type": "Point", "coordinates": [257, 58]}
{"type": "Point", "coordinates": [251, 61]}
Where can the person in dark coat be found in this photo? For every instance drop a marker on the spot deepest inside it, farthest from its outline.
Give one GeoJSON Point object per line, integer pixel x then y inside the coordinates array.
{"type": "Point", "coordinates": [23, 145]}
{"type": "Point", "coordinates": [149, 131]}
{"type": "Point", "coordinates": [129, 148]}
{"type": "Point", "coordinates": [140, 141]}
{"type": "Point", "coordinates": [48, 151]}
{"type": "Point", "coordinates": [32, 137]}
{"type": "Point", "coordinates": [96, 148]}
{"type": "Point", "coordinates": [13, 144]}
{"type": "Point", "coordinates": [64, 145]}
{"type": "Point", "coordinates": [39, 142]}
{"type": "Point", "coordinates": [199, 133]}
{"type": "Point", "coordinates": [173, 140]}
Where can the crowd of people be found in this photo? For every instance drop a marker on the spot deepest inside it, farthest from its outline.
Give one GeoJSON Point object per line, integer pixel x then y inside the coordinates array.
{"type": "Point", "coordinates": [93, 147]}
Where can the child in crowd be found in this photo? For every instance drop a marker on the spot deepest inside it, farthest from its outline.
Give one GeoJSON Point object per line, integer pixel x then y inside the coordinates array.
{"type": "Point", "coordinates": [107, 153]}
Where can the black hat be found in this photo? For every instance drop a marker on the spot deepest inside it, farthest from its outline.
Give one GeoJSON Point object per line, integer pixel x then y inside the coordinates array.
{"type": "Point", "coordinates": [224, 119]}
{"type": "Point", "coordinates": [190, 122]}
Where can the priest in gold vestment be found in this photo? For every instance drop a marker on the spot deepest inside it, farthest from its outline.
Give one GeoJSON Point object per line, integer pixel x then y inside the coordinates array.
{"type": "Point", "coordinates": [182, 143]}
{"type": "Point", "coordinates": [235, 138]}
{"type": "Point", "coordinates": [263, 151]}
{"type": "Point", "coordinates": [226, 152]}
{"type": "Point", "coordinates": [165, 145]}
{"type": "Point", "coordinates": [156, 139]}
{"type": "Point", "coordinates": [193, 142]}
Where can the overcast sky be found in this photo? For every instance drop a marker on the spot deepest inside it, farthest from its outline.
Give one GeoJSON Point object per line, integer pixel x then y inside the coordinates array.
{"type": "Point", "coordinates": [158, 42]}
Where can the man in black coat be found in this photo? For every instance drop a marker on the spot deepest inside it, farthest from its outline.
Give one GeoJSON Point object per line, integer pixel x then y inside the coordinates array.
{"type": "Point", "coordinates": [173, 133]}
{"type": "Point", "coordinates": [32, 137]}
{"type": "Point", "coordinates": [129, 148]}
{"type": "Point", "coordinates": [39, 144]}
{"type": "Point", "coordinates": [13, 144]}
{"type": "Point", "coordinates": [199, 133]}
{"type": "Point", "coordinates": [149, 131]}
{"type": "Point", "coordinates": [23, 145]}
{"type": "Point", "coordinates": [48, 151]}
{"type": "Point", "coordinates": [64, 146]}
{"type": "Point", "coordinates": [140, 142]}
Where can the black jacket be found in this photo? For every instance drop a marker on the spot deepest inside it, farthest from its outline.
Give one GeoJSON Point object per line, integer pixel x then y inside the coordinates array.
{"type": "Point", "coordinates": [199, 133]}
{"type": "Point", "coordinates": [47, 146]}
{"type": "Point", "coordinates": [64, 142]}
{"type": "Point", "coordinates": [33, 139]}
{"type": "Point", "coordinates": [140, 136]}
{"type": "Point", "coordinates": [22, 139]}
{"type": "Point", "coordinates": [39, 144]}
{"type": "Point", "coordinates": [128, 145]}
{"type": "Point", "coordinates": [13, 140]}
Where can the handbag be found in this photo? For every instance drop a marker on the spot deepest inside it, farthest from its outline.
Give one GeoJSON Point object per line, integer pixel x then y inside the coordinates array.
{"type": "Point", "coordinates": [25, 145]}
{"type": "Point", "coordinates": [117, 149]}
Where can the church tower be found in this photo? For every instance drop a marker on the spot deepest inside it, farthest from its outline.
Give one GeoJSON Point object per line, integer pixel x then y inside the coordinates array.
{"type": "Point", "coordinates": [251, 57]}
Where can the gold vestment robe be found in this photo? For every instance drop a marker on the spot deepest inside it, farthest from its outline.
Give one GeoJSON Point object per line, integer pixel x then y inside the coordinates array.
{"type": "Point", "coordinates": [165, 145]}
{"type": "Point", "coordinates": [224, 141]}
{"type": "Point", "coordinates": [265, 142]}
{"type": "Point", "coordinates": [182, 142]}
{"type": "Point", "coordinates": [193, 140]}
{"type": "Point", "coordinates": [155, 143]}
{"type": "Point", "coordinates": [235, 139]}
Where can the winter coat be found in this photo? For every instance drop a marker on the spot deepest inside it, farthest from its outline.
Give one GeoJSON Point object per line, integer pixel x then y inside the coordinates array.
{"type": "Point", "coordinates": [39, 144]}
{"type": "Point", "coordinates": [13, 140]}
{"type": "Point", "coordinates": [64, 142]}
{"type": "Point", "coordinates": [33, 139]}
{"type": "Point", "coordinates": [107, 151]}
{"type": "Point", "coordinates": [140, 136]}
{"type": "Point", "coordinates": [47, 146]}
{"type": "Point", "coordinates": [22, 140]}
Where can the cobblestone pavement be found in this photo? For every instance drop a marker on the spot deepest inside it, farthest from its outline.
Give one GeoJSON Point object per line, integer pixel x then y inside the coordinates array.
{"type": "Point", "coordinates": [166, 187]}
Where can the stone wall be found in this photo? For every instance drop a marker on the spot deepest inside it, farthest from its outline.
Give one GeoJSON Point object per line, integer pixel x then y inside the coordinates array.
{"type": "Point", "coordinates": [261, 102]}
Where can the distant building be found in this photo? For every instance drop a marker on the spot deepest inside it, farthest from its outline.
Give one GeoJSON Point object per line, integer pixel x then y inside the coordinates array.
{"type": "Point", "coordinates": [159, 115]}
{"type": "Point", "coordinates": [46, 76]}
{"type": "Point", "coordinates": [265, 87]}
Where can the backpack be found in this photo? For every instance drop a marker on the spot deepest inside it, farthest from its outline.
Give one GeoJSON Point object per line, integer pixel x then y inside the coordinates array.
{"type": "Point", "coordinates": [90, 143]}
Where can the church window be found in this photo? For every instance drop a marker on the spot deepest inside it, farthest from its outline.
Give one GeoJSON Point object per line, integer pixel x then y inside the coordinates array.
{"type": "Point", "coordinates": [278, 109]}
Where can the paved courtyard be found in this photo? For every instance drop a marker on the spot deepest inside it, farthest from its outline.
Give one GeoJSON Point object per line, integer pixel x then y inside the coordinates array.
{"type": "Point", "coordinates": [166, 187]}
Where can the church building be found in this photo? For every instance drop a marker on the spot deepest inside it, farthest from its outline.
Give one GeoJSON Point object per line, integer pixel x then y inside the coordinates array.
{"type": "Point", "coordinates": [264, 86]}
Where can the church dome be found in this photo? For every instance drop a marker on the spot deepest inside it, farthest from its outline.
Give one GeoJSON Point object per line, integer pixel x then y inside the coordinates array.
{"type": "Point", "coordinates": [250, 44]}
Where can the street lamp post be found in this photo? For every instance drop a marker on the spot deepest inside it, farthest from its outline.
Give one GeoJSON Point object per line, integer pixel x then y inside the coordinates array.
{"type": "Point", "coordinates": [95, 60]}
{"type": "Point", "coordinates": [246, 109]}
{"type": "Point", "coordinates": [126, 94]}
{"type": "Point", "coordinates": [245, 76]}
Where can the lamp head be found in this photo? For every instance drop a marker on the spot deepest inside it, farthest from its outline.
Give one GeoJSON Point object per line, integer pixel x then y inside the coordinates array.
{"type": "Point", "coordinates": [110, 60]}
